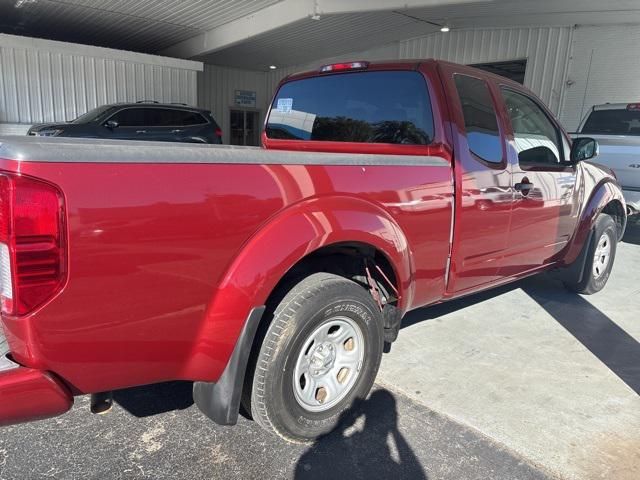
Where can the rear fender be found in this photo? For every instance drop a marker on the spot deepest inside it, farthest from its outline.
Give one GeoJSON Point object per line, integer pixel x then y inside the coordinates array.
{"type": "Point", "coordinates": [283, 241]}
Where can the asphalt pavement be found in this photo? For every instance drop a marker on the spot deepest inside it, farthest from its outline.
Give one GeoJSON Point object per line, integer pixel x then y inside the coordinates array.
{"type": "Point", "coordinates": [157, 433]}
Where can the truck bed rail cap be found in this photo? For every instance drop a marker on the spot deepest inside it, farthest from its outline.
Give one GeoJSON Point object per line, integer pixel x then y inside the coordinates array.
{"type": "Point", "coordinates": [81, 150]}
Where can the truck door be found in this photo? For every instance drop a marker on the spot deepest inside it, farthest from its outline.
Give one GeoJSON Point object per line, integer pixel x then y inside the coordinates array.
{"type": "Point", "coordinates": [545, 207]}
{"type": "Point", "coordinates": [482, 181]}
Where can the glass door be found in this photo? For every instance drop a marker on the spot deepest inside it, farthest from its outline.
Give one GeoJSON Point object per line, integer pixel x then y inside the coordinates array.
{"type": "Point", "coordinates": [244, 128]}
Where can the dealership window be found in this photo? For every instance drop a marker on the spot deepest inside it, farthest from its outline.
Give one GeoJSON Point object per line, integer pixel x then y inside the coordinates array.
{"type": "Point", "coordinates": [372, 107]}
{"type": "Point", "coordinates": [480, 121]}
{"type": "Point", "coordinates": [513, 69]}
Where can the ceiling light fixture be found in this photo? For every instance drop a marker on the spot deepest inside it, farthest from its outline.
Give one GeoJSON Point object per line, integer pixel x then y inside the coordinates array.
{"type": "Point", "coordinates": [21, 3]}
{"type": "Point", "coordinates": [272, 67]}
{"type": "Point", "coordinates": [443, 27]}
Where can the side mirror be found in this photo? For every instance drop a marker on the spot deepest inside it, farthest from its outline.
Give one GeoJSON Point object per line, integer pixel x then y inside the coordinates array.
{"type": "Point", "coordinates": [111, 124]}
{"type": "Point", "coordinates": [584, 148]}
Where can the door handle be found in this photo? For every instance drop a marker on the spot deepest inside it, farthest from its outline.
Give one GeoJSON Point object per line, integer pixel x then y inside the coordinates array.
{"type": "Point", "coordinates": [141, 131]}
{"type": "Point", "coordinates": [524, 186]}
{"type": "Point", "coordinates": [177, 130]}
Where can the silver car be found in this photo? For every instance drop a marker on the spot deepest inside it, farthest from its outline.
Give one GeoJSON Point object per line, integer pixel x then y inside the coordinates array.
{"type": "Point", "coordinates": [616, 127]}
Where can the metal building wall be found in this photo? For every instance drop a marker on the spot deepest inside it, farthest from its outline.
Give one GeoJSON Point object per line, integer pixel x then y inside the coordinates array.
{"type": "Point", "coordinates": [605, 67]}
{"type": "Point", "coordinates": [216, 92]}
{"type": "Point", "coordinates": [546, 50]}
{"type": "Point", "coordinates": [46, 81]}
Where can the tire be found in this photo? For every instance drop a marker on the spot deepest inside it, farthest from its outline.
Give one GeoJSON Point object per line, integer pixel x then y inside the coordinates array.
{"type": "Point", "coordinates": [600, 257]}
{"type": "Point", "coordinates": [324, 322]}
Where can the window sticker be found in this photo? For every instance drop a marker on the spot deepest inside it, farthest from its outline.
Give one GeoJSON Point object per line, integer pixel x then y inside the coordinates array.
{"type": "Point", "coordinates": [285, 105]}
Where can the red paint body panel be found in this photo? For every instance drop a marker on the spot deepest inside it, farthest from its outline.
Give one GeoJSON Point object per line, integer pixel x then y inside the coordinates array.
{"type": "Point", "coordinates": [161, 278]}
{"type": "Point", "coordinates": [165, 260]}
{"type": "Point", "coordinates": [28, 394]}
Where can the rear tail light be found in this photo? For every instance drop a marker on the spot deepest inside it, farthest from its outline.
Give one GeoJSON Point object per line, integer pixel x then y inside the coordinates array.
{"type": "Point", "coordinates": [340, 67]}
{"type": "Point", "coordinates": [32, 243]}
{"type": "Point", "coordinates": [633, 107]}
{"type": "Point", "coordinates": [218, 132]}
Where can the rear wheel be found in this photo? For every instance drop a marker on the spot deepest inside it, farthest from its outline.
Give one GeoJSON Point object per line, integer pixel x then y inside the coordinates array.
{"type": "Point", "coordinates": [599, 259]}
{"type": "Point", "coordinates": [321, 351]}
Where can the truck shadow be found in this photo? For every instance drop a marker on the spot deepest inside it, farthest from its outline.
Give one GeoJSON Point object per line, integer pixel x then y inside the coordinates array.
{"type": "Point", "coordinates": [432, 312]}
{"type": "Point", "coordinates": [605, 339]}
{"type": "Point", "coordinates": [360, 446]}
{"type": "Point", "coordinates": [155, 399]}
{"type": "Point", "coordinates": [632, 233]}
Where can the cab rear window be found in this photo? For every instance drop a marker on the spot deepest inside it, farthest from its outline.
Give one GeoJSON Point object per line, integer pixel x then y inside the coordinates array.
{"type": "Point", "coordinates": [369, 107]}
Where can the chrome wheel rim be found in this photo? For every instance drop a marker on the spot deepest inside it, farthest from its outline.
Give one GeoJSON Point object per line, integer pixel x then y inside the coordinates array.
{"type": "Point", "coordinates": [328, 364]}
{"type": "Point", "coordinates": [601, 256]}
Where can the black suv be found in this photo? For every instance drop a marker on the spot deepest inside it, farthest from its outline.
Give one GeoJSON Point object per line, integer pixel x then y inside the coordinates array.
{"type": "Point", "coordinates": [143, 120]}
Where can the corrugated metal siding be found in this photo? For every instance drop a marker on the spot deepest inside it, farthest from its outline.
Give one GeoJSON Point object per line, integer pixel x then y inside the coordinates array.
{"type": "Point", "coordinates": [545, 48]}
{"type": "Point", "coordinates": [216, 92]}
{"type": "Point", "coordinates": [40, 81]}
{"type": "Point", "coordinates": [13, 129]}
{"type": "Point", "coordinates": [613, 75]}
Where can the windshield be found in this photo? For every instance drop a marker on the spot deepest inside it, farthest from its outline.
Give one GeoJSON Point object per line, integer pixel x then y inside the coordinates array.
{"type": "Point", "coordinates": [93, 115]}
{"type": "Point", "coordinates": [613, 122]}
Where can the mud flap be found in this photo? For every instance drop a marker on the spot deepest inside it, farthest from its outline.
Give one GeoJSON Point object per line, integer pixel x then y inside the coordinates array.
{"type": "Point", "coordinates": [220, 401]}
{"type": "Point", "coordinates": [392, 320]}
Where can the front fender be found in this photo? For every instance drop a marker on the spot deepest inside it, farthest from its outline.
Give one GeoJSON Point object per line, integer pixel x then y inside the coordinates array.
{"type": "Point", "coordinates": [605, 191]}
{"type": "Point", "coordinates": [284, 240]}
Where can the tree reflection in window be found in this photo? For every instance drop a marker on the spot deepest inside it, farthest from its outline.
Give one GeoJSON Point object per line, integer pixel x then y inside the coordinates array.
{"type": "Point", "coordinates": [364, 107]}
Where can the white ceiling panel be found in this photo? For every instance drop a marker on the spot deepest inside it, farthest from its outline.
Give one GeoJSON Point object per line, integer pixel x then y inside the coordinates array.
{"type": "Point", "coordinates": [254, 34]}
{"type": "Point", "coordinates": [310, 39]}
{"type": "Point", "coordinates": [143, 25]}
{"type": "Point", "coordinates": [333, 35]}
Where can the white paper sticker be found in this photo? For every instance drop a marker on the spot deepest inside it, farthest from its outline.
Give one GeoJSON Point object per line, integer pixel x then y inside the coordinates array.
{"type": "Point", "coordinates": [285, 105]}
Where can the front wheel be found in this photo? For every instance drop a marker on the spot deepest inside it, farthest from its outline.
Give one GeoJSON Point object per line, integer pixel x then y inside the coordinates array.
{"type": "Point", "coordinates": [321, 351]}
{"type": "Point", "coordinates": [600, 256]}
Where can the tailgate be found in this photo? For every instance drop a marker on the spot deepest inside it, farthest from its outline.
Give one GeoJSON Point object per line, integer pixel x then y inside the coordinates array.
{"type": "Point", "coordinates": [622, 155]}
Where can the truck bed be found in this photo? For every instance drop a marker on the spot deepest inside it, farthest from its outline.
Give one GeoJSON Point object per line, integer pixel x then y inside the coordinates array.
{"type": "Point", "coordinates": [154, 229]}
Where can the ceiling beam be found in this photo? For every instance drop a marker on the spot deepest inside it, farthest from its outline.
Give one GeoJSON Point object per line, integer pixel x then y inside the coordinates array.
{"type": "Point", "coordinates": [285, 13]}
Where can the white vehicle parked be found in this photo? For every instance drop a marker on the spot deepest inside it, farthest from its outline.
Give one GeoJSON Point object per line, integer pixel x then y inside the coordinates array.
{"type": "Point", "coordinates": [616, 127]}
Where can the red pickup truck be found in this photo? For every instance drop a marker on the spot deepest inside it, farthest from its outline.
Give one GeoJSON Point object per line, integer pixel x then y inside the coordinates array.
{"type": "Point", "coordinates": [275, 277]}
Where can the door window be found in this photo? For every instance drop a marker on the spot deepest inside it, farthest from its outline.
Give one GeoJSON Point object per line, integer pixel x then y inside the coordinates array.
{"type": "Point", "coordinates": [480, 121]}
{"type": "Point", "coordinates": [177, 118]}
{"type": "Point", "coordinates": [535, 135]}
{"type": "Point", "coordinates": [130, 117]}
{"type": "Point", "coordinates": [188, 118]}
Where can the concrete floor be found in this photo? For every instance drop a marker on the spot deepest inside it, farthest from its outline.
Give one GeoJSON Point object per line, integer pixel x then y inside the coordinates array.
{"type": "Point", "coordinates": [524, 382]}
{"type": "Point", "coordinates": [552, 375]}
